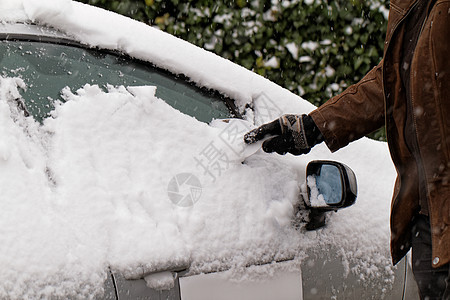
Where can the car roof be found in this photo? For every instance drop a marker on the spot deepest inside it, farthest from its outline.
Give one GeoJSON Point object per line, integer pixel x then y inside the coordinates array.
{"type": "Point", "coordinates": [24, 30]}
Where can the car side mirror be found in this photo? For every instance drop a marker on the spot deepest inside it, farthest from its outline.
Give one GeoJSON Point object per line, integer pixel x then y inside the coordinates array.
{"type": "Point", "coordinates": [331, 186]}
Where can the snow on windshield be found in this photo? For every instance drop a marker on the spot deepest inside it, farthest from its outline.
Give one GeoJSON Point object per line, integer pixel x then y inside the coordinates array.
{"type": "Point", "coordinates": [95, 186]}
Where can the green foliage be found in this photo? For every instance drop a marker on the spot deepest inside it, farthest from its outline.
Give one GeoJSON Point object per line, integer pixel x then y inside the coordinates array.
{"type": "Point", "coordinates": [315, 48]}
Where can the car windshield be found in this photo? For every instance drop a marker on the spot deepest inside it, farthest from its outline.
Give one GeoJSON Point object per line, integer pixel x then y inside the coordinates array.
{"type": "Point", "coordinates": [48, 68]}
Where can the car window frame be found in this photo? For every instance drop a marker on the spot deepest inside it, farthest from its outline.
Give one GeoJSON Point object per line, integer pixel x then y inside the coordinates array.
{"type": "Point", "coordinates": [45, 34]}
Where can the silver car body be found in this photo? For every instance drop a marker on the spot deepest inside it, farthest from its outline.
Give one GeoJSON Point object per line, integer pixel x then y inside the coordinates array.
{"type": "Point", "coordinates": [325, 268]}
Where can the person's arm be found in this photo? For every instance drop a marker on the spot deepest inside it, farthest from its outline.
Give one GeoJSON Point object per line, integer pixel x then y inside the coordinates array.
{"type": "Point", "coordinates": [356, 112]}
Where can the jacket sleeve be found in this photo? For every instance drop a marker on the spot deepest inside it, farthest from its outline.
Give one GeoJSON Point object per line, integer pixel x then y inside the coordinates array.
{"type": "Point", "coordinates": [356, 112]}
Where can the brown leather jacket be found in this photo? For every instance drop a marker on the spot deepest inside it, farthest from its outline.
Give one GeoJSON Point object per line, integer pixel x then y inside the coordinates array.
{"type": "Point", "coordinates": [380, 99]}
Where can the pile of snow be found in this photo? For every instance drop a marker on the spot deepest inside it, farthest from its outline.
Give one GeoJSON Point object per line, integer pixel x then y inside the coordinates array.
{"type": "Point", "coordinates": [89, 188]}
{"type": "Point", "coordinates": [316, 198]}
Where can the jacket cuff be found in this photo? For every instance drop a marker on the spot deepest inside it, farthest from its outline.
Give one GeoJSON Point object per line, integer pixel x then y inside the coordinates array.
{"type": "Point", "coordinates": [323, 125]}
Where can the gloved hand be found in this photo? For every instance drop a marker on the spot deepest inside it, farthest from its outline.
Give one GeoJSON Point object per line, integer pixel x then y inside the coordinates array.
{"type": "Point", "coordinates": [295, 134]}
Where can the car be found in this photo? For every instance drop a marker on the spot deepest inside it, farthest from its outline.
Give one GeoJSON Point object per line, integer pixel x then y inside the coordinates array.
{"type": "Point", "coordinates": [124, 174]}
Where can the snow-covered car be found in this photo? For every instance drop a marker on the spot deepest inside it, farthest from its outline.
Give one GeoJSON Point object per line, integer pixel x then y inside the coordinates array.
{"type": "Point", "coordinates": [124, 174]}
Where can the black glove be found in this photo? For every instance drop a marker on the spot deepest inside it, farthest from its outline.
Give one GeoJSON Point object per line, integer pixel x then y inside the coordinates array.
{"type": "Point", "coordinates": [295, 134]}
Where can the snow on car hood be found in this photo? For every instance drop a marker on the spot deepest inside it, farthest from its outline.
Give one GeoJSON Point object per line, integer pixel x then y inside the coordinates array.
{"type": "Point", "coordinates": [91, 187]}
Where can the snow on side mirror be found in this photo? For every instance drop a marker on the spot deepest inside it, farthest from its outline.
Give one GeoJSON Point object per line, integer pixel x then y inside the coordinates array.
{"type": "Point", "coordinates": [331, 186]}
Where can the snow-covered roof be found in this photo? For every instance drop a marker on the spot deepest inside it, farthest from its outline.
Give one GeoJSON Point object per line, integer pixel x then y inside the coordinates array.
{"type": "Point", "coordinates": [111, 157]}
{"type": "Point", "coordinates": [112, 31]}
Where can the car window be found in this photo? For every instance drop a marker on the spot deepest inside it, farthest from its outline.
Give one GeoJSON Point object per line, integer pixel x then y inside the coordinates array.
{"type": "Point", "coordinates": [47, 68]}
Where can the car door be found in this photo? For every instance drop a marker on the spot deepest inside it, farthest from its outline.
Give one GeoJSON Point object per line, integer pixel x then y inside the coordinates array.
{"type": "Point", "coordinates": [48, 62]}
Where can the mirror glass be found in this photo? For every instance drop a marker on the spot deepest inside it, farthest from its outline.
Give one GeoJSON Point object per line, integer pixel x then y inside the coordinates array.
{"type": "Point", "coordinates": [325, 186]}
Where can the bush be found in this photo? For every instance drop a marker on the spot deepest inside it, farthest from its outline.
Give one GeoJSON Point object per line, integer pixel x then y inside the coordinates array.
{"type": "Point", "coordinates": [315, 48]}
